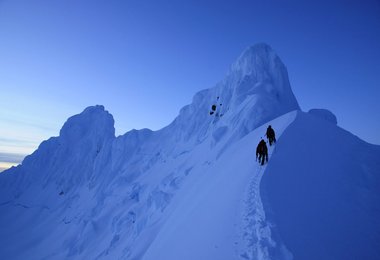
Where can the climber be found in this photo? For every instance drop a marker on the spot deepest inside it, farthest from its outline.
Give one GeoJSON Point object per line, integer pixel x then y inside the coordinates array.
{"type": "Point", "coordinates": [213, 108]}
{"type": "Point", "coordinates": [270, 135]}
{"type": "Point", "coordinates": [262, 152]}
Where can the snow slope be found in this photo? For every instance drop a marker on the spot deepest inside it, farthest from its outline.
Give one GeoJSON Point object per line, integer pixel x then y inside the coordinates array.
{"type": "Point", "coordinates": [322, 188]}
{"type": "Point", "coordinates": [188, 191]}
{"type": "Point", "coordinates": [208, 221]}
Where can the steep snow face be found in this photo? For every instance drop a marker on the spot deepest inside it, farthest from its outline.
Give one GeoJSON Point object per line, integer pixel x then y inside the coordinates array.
{"type": "Point", "coordinates": [45, 193]}
{"type": "Point", "coordinates": [261, 65]}
{"type": "Point", "coordinates": [255, 90]}
{"type": "Point", "coordinates": [93, 124]}
{"type": "Point", "coordinates": [66, 160]}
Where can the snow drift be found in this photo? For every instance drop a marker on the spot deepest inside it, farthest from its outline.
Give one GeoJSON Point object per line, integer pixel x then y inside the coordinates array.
{"type": "Point", "coordinates": [192, 189]}
{"type": "Point", "coordinates": [322, 188]}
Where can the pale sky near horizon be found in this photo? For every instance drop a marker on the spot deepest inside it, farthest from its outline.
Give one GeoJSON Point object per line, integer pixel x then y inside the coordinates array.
{"type": "Point", "coordinates": [144, 60]}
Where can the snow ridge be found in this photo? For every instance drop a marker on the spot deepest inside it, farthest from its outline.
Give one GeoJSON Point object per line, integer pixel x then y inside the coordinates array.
{"type": "Point", "coordinates": [258, 239]}
{"type": "Point", "coordinates": [109, 196]}
{"type": "Point", "coordinates": [191, 190]}
{"type": "Point", "coordinates": [259, 242]}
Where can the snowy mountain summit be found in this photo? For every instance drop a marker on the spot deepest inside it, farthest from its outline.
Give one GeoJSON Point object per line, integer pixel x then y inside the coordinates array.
{"type": "Point", "coordinates": [193, 190]}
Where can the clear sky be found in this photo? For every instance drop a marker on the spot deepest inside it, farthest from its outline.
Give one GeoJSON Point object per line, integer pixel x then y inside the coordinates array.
{"type": "Point", "coordinates": [144, 60]}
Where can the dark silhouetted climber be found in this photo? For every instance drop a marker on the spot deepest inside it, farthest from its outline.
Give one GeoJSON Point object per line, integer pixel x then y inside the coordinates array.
{"type": "Point", "coordinates": [262, 152]}
{"type": "Point", "coordinates": [271, 135]}
{"type": "Point", "coordinates": [213, 108]}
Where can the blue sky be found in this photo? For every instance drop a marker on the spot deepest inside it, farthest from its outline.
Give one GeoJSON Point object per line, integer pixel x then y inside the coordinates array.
{"type": "Point", "coordinates": [144, 60]}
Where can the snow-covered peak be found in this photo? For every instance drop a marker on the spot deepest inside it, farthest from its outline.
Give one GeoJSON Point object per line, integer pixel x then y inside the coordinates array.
{"type": "Point", "coordinates": [66, 158]}
{"type": "Point", "coordinates": [94, 122]}
{"type": "Point", "coordinates": [256, 58]}
{"type": "Point", "coordinates": [255, 90]}
{"type": "Point", "coordinates": [263, 69]}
